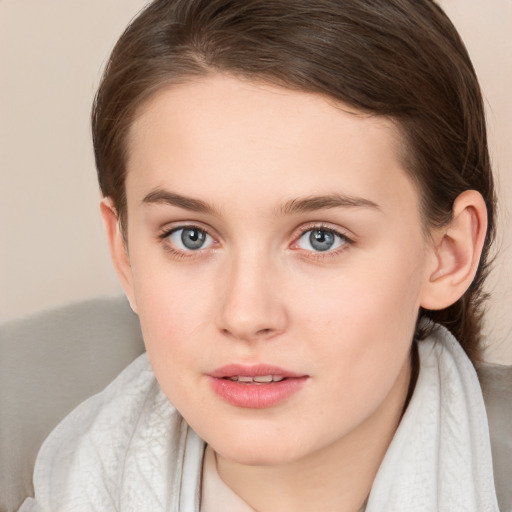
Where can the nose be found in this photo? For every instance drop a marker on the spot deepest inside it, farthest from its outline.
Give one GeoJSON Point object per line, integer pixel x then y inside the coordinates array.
{"type": "Point", "coordinates": [252, 305]}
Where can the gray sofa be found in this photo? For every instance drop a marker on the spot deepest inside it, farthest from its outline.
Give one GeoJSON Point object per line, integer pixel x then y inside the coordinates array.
{"type": "Point", "coordinates": [52, 361]}
{"type": "Point", "coordinates": [49, 363]}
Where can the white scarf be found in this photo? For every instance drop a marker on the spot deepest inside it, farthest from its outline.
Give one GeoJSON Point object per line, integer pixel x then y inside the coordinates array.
{"type": "Point", "coordinates": [127, 448]}
{"type": "Point", "coordinates": [440, 457]}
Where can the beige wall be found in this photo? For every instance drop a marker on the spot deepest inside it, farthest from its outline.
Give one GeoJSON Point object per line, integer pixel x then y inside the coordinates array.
{"type": "Point", "coordinates": [52, 248]}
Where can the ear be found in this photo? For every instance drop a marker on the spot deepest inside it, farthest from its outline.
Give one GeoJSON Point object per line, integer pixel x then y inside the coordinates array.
{"type": "Point", "coordinates": [118, 249]}
{"type": "Point", "coordinates": [456, 252]}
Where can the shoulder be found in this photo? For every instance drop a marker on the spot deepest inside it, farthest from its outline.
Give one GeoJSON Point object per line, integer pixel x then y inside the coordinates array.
{"type": "Point", "coordinates": [93, 452]}
{"type": "Point", "coordinates": [496, 383]}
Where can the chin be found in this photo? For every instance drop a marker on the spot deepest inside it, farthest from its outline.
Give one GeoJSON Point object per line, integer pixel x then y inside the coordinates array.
{"type": "Point", "coordinates": [261, 457]}
{"type": "Point", "coordinates": [258, 450]}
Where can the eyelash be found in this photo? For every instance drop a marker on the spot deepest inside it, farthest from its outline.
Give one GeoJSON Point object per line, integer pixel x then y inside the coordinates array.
{"type": "Point", "coordinates": [328, 254]}
{"type": "Point", "coordinates": [178, 253]}
{"type": "Point", "coordinates": [319, 255]}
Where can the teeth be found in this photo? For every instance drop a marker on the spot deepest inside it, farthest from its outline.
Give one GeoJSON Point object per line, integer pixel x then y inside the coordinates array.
{"type": "Point", "coordinates": [262, 379]}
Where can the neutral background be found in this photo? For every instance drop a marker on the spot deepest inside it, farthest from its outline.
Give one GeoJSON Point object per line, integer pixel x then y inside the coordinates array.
{"type": "Point", "coordinates": [52, 248]}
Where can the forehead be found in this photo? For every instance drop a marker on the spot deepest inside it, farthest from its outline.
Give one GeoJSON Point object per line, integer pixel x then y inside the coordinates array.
{"type": "Point", "coordinates": [218, 137]}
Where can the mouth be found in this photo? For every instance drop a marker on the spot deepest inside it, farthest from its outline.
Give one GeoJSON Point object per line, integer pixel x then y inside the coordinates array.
{"type": "Point", "coordinates": [258, 379]}
{"type": "Point", "coordinates": [255, 387]}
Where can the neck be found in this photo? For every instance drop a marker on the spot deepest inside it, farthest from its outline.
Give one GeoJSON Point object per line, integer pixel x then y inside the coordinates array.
{"type": "Point", "coordinates": [337, 477]}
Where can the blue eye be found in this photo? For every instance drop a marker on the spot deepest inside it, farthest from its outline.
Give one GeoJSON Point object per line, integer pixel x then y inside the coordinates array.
{"type": "Point", "coordinates": [320, 240]}
{"type": "Point", "coordinates": [190, 239]}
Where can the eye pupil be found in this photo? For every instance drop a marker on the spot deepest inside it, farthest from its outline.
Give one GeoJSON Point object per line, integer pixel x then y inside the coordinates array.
{"type": "Point", "coordinates": [193, 238]}
{"type": "Point", "coordinates": [321, 240]}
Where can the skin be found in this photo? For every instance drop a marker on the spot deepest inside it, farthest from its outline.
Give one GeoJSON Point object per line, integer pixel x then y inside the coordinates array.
{"type": "Point", "coordinates": [257, 291]}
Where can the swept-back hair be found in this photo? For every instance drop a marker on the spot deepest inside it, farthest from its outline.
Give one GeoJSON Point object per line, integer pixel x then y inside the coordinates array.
{"type": "Point", "coordinates": [401, 59]}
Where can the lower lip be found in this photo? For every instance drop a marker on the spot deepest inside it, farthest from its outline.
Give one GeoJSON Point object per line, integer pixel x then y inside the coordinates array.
{"type": "Point", "coordinates": [256, 396]}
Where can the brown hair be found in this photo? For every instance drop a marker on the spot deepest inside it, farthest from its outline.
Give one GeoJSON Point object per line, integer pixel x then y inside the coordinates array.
{"type": "Point", "coordinates": [402, 59]}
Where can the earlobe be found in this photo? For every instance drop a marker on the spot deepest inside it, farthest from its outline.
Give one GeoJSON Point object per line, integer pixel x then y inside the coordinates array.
{"type": "Point", "coordinates": [118, 249]}
{"type": "Point", "coordinates": [456, 252]}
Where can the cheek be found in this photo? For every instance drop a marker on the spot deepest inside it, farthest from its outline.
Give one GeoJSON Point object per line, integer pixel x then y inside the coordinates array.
{"type": "Point", "coordinates": [365, 314]}
{"type": "Point", "coordinates": [173, 308]}
{"type": "Point", "coordinates": [360, 335]}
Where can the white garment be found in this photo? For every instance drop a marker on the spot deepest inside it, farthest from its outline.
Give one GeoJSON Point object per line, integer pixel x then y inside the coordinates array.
{"type": "Point", "coordinates": [440, 456]}
{"type": "Point", "coordinates": [216, 496]}
{"type": "Point", "coordinates": [128, 449]}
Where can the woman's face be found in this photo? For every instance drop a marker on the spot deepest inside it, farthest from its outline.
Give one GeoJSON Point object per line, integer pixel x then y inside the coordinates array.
{"type": "Point", "coordinates": [273, 236]}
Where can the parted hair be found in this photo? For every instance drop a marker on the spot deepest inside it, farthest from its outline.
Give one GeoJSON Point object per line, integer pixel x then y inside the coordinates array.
{"type": "Point", "coordinates": [401, 59]}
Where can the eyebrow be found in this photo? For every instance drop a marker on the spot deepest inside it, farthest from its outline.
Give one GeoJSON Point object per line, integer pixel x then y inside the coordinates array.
{"type": "Point", "coordinates": [293, 206]}
{"type": "Point", "coordinates": [313, 203]}
{"type": "Point", "coordinates": [160, 196]}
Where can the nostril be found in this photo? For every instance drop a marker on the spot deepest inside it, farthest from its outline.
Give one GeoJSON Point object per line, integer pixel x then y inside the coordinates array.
{"type": "Point", "coordinates": [258, 334]}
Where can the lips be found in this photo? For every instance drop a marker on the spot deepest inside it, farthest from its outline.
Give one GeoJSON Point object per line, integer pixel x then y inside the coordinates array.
{"type": "Point", "coordinates": [258, 379]}
{"type": "Point", "coordinates": [236, 370]}
{"type": "Point", "coordinates": [255, 387]}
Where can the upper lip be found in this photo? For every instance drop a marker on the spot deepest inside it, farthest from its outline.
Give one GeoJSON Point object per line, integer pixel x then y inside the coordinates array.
{"type": "Point", "coordinates": [233, 370]}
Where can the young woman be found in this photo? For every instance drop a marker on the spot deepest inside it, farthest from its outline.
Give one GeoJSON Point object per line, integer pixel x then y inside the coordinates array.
{"type": "Point", "coordinates": [299, 205]}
